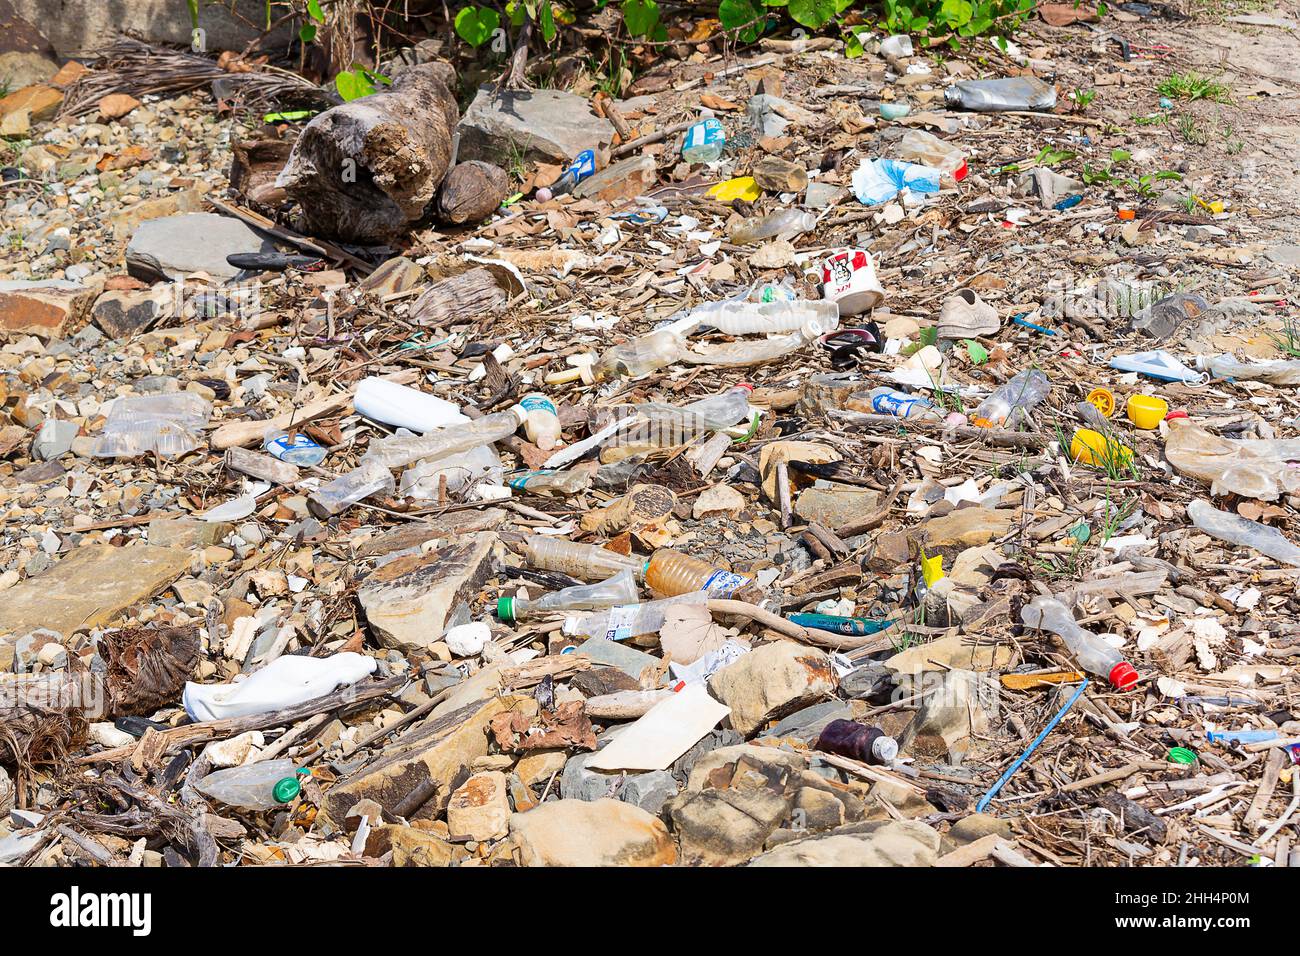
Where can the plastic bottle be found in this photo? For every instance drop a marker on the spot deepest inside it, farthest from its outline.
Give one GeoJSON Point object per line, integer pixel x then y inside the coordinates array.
{"type": "Point", "coordinates": [1092, 653]}
{"type": "Point", "coordinates": [890, 401]}
{"type": "Point", "coordinates": [769, 318]}
{"type": "Point", "coordinates": [993, 96]}
{"type": "Point", "coordinates": [1280, 372]}
{"type": "Point", "coordinates": [399, 450]}
{"type": "Point", "coordinates": [783, 224]}
{"type": "Point", "coordinates": [425, 479]}
{"type": "Point", "coordinates": [1013, 401]}
{"type": "Point", "coordinates": [671, 573]}
{"type": "Point", "coordinates": [1250, 467]}
{"type": "Point", "coordinates": [551, 482]}
{"type": "Point", "coordinates": [925, 149]}
{"type": "Point", "coordinates": [542, 426]}
{"type": "Point", "coordinates": [641, 356]}
{"type": "Point", "coordinates": [620, 589]}
{"type": "Point", "coordinates": [1235, 529]}
{"type": "Point", "coordinates": [586, 562]}
{"type": "Point", "coordinates": [750, 352]}
{"type": "Point", "coordinates": [252, 786]}
{"type": "Point", "coordinates": [294, 447]}
{"type": "Point", "coordinates": [848, 738]}
{"type": "Point", "coordinates": [704, 142]}
{"type": "Point", "coordinates": [629, 620]}
{"type": "Point", "coordinates": [404, 407]}
{"type": "Point", "coordinates": [168, 425]}
{"type": "Point", "coordinates": [708, 414]}
{"type": "Point", "coordinates": [368, 478]}
{"type": "Point", "coordinates": [582, 167]}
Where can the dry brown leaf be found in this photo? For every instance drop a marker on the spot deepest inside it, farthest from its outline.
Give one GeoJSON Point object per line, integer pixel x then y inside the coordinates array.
{"type": "Point", "coordinates": [689, 632]}
{"type": "Point", "coordinates": [714, 102]}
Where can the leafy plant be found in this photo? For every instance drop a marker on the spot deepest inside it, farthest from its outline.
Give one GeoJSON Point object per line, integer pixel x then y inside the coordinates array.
{"type": "Point", "coordinates": [1083, 98]}
{"type": "Point", "coordinates": [1191, 86]}
{"type": "Point", "coordinates": [1289, 339]}
{"type": "Point", "coordinates": [475, 24]}
{"type": "Point", "coordinates": [1191, 131]}
{"type": "Point", "coordinates": [358, 82]}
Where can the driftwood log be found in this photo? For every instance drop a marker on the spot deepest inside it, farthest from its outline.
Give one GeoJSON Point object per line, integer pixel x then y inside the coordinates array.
{"type": "Point", "coordinates": [471, 192]}
{"type": "Point", "coordinates": [366, 170]}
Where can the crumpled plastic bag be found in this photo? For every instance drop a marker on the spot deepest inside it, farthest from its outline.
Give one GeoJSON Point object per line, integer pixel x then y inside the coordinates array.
{"type": "Point", "coordinates": [169, 425]}
{"type": "Point", "coordinates": [1252, 468]}
{"type": "Point", "coordinates": [877, 181]}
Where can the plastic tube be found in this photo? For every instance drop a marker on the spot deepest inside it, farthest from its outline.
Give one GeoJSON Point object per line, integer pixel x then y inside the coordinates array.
{"type": "Point", "coordinates": [404, 407]}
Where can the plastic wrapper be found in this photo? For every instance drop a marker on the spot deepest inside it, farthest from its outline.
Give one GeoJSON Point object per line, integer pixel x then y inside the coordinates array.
{"type": "Point", "coordinates": [1252, 468]}
{"type": "Point", "coordinates": [166, 425]}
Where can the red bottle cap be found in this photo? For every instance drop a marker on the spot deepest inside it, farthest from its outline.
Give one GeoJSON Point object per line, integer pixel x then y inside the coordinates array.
{"type": "Point", "coordinates": [960, 173]}
{"type": "Point", "coordinates": [1123, 676]}
{"type": "Point", "coordinates": [1177, 413]}
{"type": "Point", "coordinates": [745, 385]}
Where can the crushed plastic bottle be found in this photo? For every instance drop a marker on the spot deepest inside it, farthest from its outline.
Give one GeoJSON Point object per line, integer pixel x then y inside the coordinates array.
{"type": "Point", "coordinates": [620, 589]}
{"type": "Point", "coordinates": [585, 562]}
{"type": "Point", "coordinates": [704, 142]}
{"type": "Point", "coordinates": [630, 620]}
{"type": "Point", "coordinates": [1012, 402]}
{"type": "Point", "coordinates": [367, 479]}
{"type": "Point", "coordinates": [769, 318]}
{"type": "Point", "coordinates": [399, 450]}
{"type": "Point", "coordinates": [1092, 653]}
{"type": "Point", "coordinates": [641, 356]}
{"type": "Point", "coordinates": [542, 425]}
{"type": "Point", "coordinates": [993, 96]}
{"type": "Point", "coordinates": [671, 573]}
{"type": "Point", "coordinates": [250, 787]}
{"type": "Point", "coordinates": [782, 224]}
{"type": "Point", "coordinates": [1252, 468]}
{"type": "Point", "coordinates": [890, 401]}
{"type": "Point", "coordinates": [166, 425]}
{"type": "Point", "coordinates": [548, 481]}
{"type": "Point", "coordinates": [1279, 372]}
{"type": "Point", "coordinates": [926, 149]}
{"type": "Point", "coordinates": [746, 353]}
{"type": "Point", "coordinates": [424, 479]}
{"type": "Point", "coordinates": [1235, 529]}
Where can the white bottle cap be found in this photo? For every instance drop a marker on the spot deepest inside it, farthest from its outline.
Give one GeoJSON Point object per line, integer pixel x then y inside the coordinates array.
{"type": "Point", "coordinates": [885, 749]}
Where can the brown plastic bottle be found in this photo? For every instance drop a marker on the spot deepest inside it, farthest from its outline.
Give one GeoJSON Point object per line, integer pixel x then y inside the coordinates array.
{"type": "Point", "coordinates": [851, 739]}
{"type": "Point", "coordinates": [671, 573]}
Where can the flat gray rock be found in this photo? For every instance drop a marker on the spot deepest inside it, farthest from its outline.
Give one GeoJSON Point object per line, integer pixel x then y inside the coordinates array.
{"type": "Point", "coordinates": [174, 246]}
{"type": "Point", "coordinates": [546, 125]}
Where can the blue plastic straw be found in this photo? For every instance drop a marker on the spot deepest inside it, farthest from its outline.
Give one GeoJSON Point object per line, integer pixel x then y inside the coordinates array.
{"type": "Point", "coordinates": [993, 790]}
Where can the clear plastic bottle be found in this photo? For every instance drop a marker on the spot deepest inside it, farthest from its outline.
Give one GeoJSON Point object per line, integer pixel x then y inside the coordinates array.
{"type": "Point", "coordinates": [1250, 467]}
{"type": "Point", "coordinates": [399, 450]}
{"type": "Point", "coordinates": [708, 414]}
{"type": "Point", "coordinates": [671, 573]}
{"type": "Point", "coordinates": [750, 352]}
{"type": "Point", "coordinates": [770, 318]}
{"type": "Point", "coordinates": [1012, 402]}
{"type": "Point", "coordinates": [542, 426]}
{"type": "Point", "coordinates": [925, 149]}
{"type": "Point", "coordinates": [848, 738]}
{"type": "Point", "coordinates": [368, 478]}
{"type": "Point", "coordinates": [551, 482]}
{"type": "Point", "coordinates": [586, 562]}
{"type": "Point", "coordinates": [1093, 654]}
{"type": "Point", "coordinates": [993, 96]}
{"type": "Point", "coordinates": [425, 479]}
{"type": "Point", "coordinates": [1279, 372]}
{"type": "Point", "coordinates": [1235, 529]}
{"type": "Point", "coordinates": [252, 786]}
{"type": "Point", "coordinates": [641, 356]}
{"type": "Point", "coordinates": [168, 425]}
{"type": "Point", "coordinates": [704, 142]}
{"type": "Point", "coordinates": [890, 401]}
{"type": "Point", "coordinates": [629, 620]}
{"type": "Point", "coordinates": [620, 589]}
{"type": "Point", "coordinates": [782, 224]}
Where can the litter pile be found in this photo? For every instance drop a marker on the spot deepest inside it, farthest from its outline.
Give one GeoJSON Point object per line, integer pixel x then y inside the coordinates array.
{"type": "Point", "coordinates": [803, 461]}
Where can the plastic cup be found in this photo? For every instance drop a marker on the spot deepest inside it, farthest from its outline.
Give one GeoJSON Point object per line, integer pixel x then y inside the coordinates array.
{"type": "Point", "coordinates": [1147, 411]}
{"type": "Point", "coordinates": [849, 280]}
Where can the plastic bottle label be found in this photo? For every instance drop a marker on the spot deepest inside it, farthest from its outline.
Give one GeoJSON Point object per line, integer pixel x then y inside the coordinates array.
{"type": "Point", "coordinates": [896, 404]}
{"type": "Point", "coordinates": [283, 445]}
{"type": "Point", "coordinates": [520, 482]}
{"type": "Point", "coordinates": [582, 167]}
{"type": "Point", "coordinates": [532, 403]}
{"type": "Point", "coordinates": [722, 583]}
{"type": "Point", "coordinates": [620, 622]}
{"type": "Point", "coordinates": [707, 133]}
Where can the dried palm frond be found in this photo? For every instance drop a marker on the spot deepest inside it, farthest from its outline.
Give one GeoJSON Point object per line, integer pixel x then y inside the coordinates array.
{"type": "Point", "coordinates": [137, 68]}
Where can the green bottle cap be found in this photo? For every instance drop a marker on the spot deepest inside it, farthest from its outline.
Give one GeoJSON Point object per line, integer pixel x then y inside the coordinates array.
{"type": "Point", "coordinates": [1181, 755]}
{"type": "Point", "coordinates": [506, 608]}
{"type": "Point", "coordinates": [286, 789]}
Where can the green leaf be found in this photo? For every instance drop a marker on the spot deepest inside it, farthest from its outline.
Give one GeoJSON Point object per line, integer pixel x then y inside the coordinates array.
{"type": "Point", "coordinates": [475, 25]}
{"type": "Point", "coordinates": [517, 12]}
{"type": "Point", "coordinates": [775, 3]}
{"type": "Point", "coordinates": [353, 84]}
{"type": "Point", "coordinates": [640, 16]}
{"type": "Point", "coordinates": [307, 32]}
{"type": "Point", "coordinates": [852, 46]}
{"type": "Point", "coordinates": [194, 13]}
{"type": "Point", "coordinates": [918, 24]}
{"type": "Point", "coordinates": [812, 13]}
{"type": "Point", "coordinates": [314, 11]}
{"type": "Point", "coordinates": [736, 13]}
{"type": "Point", "coordinates": [1120, 155]}
{"type": "Point", "coordinates": [547, 21]}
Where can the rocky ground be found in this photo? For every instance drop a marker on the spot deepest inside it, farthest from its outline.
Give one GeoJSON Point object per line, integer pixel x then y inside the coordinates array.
{"type": "Point", "coordinates": [438, 732]}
